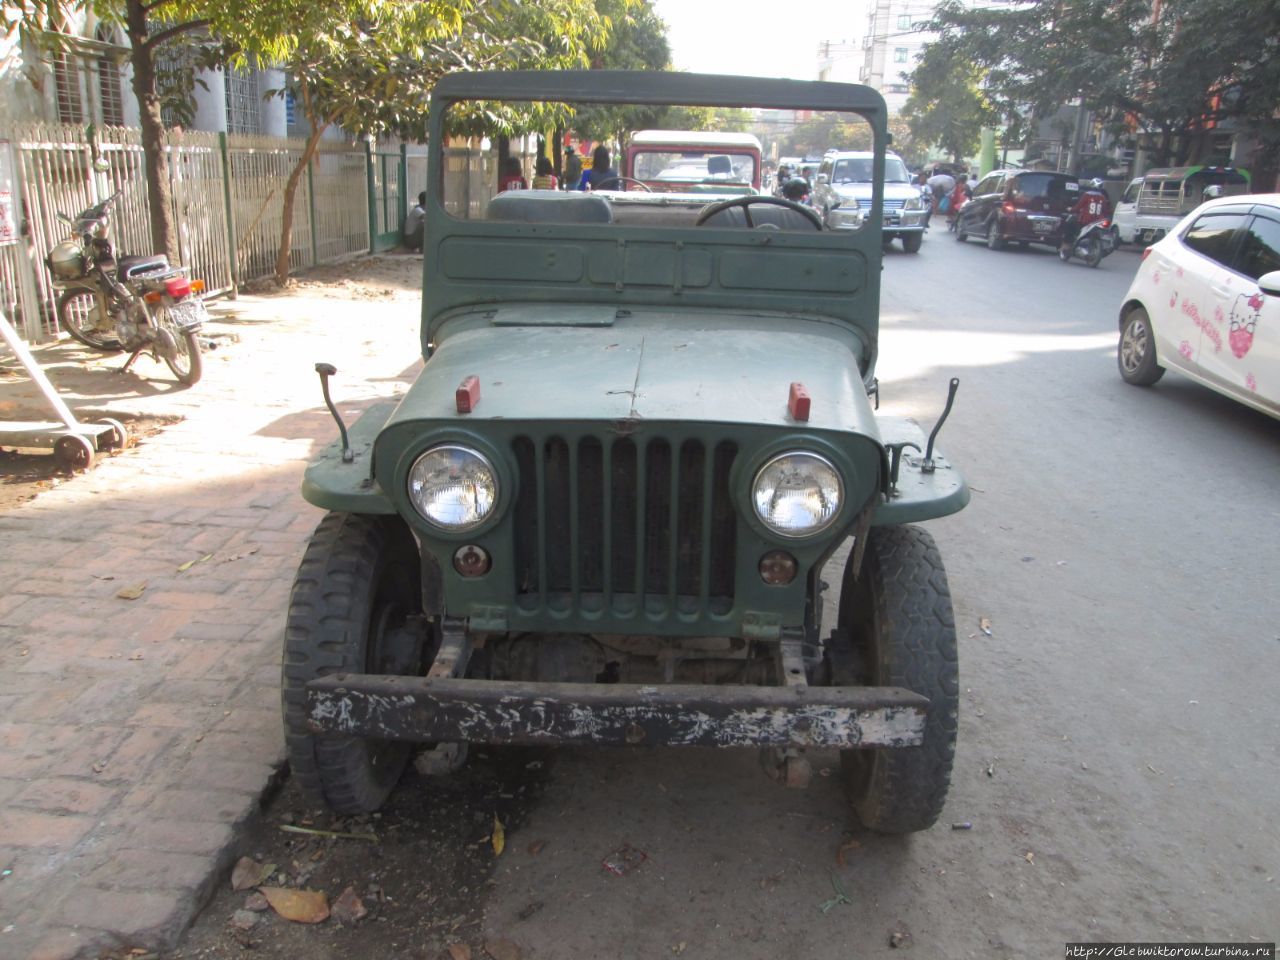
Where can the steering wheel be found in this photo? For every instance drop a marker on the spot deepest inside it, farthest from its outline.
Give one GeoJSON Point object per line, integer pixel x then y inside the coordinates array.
{"type": "Point", "coordinates": [641, 183]}
{"type": "Point", "coordinates": [746, 202]}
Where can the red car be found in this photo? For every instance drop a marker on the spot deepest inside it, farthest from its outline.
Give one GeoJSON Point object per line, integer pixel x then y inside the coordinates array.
{"type": "Point", "coordinates": [1026, 206]}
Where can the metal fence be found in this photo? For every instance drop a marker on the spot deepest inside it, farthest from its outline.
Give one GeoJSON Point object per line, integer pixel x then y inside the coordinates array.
{"type": "Point", "coordinates": [228, 196]}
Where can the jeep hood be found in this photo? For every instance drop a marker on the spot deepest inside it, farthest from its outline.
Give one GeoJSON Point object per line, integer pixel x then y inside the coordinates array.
{"type": "Point", "coordinates": [651, 365]}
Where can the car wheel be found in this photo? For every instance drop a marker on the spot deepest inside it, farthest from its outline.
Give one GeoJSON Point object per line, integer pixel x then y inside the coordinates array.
{"type": "Point", "coordinates": [355, 608]}
{"type": "Point", "coordinates": [897, 628]}
{"type": "Point", "coordinates": [994, 240]}
{"type": "Point", "coordinates": [961, 234]}
{"type": "Point", "coordinates": [911, 242]}
{"type": "Point", "coordinates": [1136, 355]}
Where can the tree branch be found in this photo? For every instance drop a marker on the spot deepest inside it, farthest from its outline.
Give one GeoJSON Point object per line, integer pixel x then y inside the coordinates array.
{"type": "Point", "coordinates": [148, 7]}
{"type": "Point", "coordinates": [175, 31]}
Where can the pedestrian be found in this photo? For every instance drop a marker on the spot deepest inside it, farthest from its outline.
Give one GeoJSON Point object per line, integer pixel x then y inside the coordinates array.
{"type": "Point", "coordinates": [512, 178]}
{"type": "Point", "coordinates": [572, 169]}
{"type": "Point", "coordinates": [601, 170]}
{"type": "Point", "coordinates": [415, 224]}
{"type": "Point", "coordinates": [545, 178]}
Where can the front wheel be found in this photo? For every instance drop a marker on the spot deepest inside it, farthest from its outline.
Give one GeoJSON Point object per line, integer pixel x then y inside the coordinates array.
{"type": "Point", "coordinates": [355, 608]}
{"type": "Point", "coordinates": [1136, 356]}
{"type": "Point", "coordinates": [896, 628]}
{"type": "Point", "coordinates": [86, 316]}
{"type": "Point", "coordinates": [911, 242]}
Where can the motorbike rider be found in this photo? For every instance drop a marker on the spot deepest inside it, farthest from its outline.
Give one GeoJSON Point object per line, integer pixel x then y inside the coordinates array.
{"type": "Point", "coordinates": [1092, 205]}
{"type": "Point", "coordinates": [796, 189]}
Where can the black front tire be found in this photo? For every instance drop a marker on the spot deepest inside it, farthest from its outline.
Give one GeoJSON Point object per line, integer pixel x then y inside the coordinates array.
{"type": "Point", "coordinates": [75, 308]}
{"type": "Point", "coordinates": [911, 242]}
{"type": "Point", "coordinates": [1136, 355]}
{"type": "Point", "coordinates": [899, 630]}
{"type": "Point", "coordinates": [355, 608]}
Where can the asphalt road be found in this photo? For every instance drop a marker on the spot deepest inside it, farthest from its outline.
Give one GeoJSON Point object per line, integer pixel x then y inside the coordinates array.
{"type": "Point", "coordinates": [1118, 741]}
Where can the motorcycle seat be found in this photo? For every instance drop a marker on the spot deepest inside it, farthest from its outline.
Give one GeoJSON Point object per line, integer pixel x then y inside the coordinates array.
{"type": "Point", "coordinates": [130, 267]}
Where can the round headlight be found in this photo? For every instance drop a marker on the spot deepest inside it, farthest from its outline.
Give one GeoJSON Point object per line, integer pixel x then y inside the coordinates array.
{"type": "Point", "coordinates": [453, 488]}
{"type": "Point", "coordinates": [797, 494]}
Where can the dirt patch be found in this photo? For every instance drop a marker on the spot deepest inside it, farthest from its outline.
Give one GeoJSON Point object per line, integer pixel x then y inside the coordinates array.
{"type": "Point", "coordinates": [422, 880]}
{"type": "Point", "coordinates": [371, 278]}
{"type": "Point", "coordinates": [25, 474]}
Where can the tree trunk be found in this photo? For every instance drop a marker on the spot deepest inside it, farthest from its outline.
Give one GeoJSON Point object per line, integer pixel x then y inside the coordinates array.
{"type": "Point", "coordinates": [164, 237]}
{"type": "Point", "coordinates": [290, 191]}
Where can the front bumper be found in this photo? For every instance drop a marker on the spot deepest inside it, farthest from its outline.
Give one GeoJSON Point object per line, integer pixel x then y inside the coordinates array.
{"type": "Point", "coordinates": [429, 709]}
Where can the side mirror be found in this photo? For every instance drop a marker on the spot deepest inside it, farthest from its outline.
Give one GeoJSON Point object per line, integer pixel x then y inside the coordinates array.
{"type": "Point", "coordinates": [1270, 283]}
{"type": "Point", "coordinates": [1212, 192]}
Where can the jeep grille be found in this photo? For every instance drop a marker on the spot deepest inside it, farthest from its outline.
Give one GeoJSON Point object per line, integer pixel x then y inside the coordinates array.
{"type": "Point", "coordinates": [618, 526]}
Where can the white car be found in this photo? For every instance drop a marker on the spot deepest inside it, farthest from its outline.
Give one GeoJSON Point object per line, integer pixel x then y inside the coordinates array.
{"type": "Point", "coordinates": [1206, 302]}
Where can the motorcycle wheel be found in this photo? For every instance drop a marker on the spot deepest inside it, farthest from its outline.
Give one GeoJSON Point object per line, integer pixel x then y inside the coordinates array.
{"type": "Point", "coordinates": [75, 309]}
{"type": "Point", "coordinates": [186, 363]}
{"type": "Point", "coordinates": [1064, 253]}
{"type": "Point", "coordinates": [1095, 254]}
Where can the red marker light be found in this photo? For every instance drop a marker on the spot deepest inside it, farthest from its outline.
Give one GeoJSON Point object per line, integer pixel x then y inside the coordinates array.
{"type": "Point", "coordinates": [798, 402]}
{"type": "Point", "coordinates": [468, 394]}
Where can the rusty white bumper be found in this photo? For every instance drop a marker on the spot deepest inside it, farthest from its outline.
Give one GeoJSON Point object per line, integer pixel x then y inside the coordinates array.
{"type": "Point", "coordinates": [428, 709]}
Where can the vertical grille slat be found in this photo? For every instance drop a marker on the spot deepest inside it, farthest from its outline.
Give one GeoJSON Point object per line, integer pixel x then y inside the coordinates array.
{"type": "Point", "coordinates": [624, 527]}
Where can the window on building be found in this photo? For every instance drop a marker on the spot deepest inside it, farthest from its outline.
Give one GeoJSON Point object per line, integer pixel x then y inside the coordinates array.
{"type": "Point", "coordinates": [899, 54]}
{"type": "Point", "coordinates": [110, 82]}
{"type": "Point", "coordinates": [66, 86]}
{"type": "Point", "coordinates": [243, 101]}
{"type": "Point", "coordinates": [904, 21]}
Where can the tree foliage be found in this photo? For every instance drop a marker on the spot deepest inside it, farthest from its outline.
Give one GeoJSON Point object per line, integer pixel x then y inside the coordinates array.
{"type": "Point", "coordinates": [1170, 70]}
{"type": "Point", "coordinates": [947, 106]}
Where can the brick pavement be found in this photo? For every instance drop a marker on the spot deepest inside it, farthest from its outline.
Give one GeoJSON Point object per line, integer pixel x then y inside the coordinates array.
{"type": "Point", "coordinates": [138, 736]}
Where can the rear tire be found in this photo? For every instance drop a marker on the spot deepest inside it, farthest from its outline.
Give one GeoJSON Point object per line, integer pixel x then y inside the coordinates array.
{"type": "Point", "coordinates": [960, 232]}
{"type": "Point", "coordinates": [355, 608]}
{"type": "Point", "coordinates": [896, 628]}
{"type": "Point", "coordinates": [1095, 254]}
{"type": "Point", "coordinates": [994, 240]}
{"type": "Point", "coordinates": [186, 364]}
{"type": "Point", "coordinates": [1136, 355]}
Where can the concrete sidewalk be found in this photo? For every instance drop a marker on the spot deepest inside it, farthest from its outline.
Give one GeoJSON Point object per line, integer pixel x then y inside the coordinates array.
{"type": "Point", "coordinates": [136, 736]}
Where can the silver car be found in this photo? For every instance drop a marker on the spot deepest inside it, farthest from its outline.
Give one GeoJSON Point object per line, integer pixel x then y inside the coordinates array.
{"type": "Point", "coordinates": [842, 195]}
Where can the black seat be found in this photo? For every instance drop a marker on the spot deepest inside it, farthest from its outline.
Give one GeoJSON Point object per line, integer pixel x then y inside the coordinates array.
{"type": "Point", "coordinates": [128, 267]}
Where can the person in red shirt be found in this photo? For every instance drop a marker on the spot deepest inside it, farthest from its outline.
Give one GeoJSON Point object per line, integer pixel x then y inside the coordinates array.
{"type": "Point", "coordinates": [512, 178]}
{"type": "Point", "coordinates": [1092, 205]}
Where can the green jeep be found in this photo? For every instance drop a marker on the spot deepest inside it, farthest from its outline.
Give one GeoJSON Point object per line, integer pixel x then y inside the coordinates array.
{"type": "Point", "coordinates": [601, 513]}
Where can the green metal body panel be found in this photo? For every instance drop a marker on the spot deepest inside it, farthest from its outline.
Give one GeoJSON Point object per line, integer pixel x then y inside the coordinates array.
{"type": "Point", "coordinates": [616, 337]}
{"type": "Point", "coordinates": [350, 487]}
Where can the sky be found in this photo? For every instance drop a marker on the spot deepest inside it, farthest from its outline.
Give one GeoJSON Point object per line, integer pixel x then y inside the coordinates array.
{"type": "Point", "coordinates": [754, 37]}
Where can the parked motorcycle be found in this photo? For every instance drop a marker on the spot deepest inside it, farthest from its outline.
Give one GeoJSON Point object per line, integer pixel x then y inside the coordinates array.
{"type": "Point", "coordinates": [1094, 241]}
{"type": "Point", "coordinates": [138, 303]}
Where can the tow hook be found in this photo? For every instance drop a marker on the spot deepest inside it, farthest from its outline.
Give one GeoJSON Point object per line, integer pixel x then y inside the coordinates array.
{"type": "Point", "coordinates": [327, 370]}
{"type": "Point", "coordinates": [928, 466]}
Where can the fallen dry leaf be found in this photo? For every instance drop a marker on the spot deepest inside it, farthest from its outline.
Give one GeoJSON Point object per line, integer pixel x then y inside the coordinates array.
{"type": "Point", "coordinates": [847, 847]}
{"type": "Point", "coordinates": [535, 848]}
{"type": "Point", "coordinates": [985, 625]}
{"type": "Point", "coordinates": [1029, 857]}
{"type": "Point", "coordinates": [498, 837]}
{"type": "Point", "coordinates": [300, 906]}
{"type": "Point", "coordinates": [132, 592]}
{"type": "Point", "coordinates": [459, 951]}
{"type": "Point", "coordinates": [245, 874]}
{"type": "Point", "coordinates": [348, 909]}
{"type": "Point", "coordinates": [502, 949]}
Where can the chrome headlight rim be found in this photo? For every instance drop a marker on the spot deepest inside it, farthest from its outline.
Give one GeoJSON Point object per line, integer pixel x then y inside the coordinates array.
{"type": "Point", "coordinates": [913, 203]}
{"type": "Point", "coordinates": [435, 525]}
{"type": "Point", "coordinates": [824, 527]}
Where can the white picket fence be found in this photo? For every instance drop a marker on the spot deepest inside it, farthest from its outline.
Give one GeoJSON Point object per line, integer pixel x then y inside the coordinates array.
{"type": "Point", "coordinates": [228, 195]}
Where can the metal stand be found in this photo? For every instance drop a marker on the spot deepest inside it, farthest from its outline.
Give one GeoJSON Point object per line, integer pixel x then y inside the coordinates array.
{"type": "Point", "coordinates": [73, 442]}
